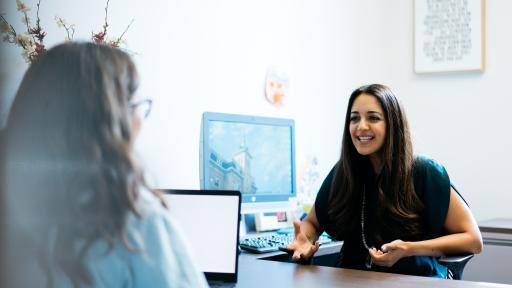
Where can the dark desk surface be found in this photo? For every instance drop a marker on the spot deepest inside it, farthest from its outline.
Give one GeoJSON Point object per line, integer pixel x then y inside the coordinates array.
{"type": "Point", "coordinates": [255, 272]}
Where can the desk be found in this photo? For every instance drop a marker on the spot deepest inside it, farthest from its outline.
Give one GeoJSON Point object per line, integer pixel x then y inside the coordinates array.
{"type": "Point", "coordinates": [258, 273]}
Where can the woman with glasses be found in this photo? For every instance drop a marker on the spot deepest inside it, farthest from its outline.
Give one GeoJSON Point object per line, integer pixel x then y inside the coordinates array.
{"type": "Point", "coordinates": [78, 208]}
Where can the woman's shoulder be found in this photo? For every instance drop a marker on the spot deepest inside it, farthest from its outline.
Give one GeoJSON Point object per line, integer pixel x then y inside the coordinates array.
{"type": "Point", "coordinates": [154, 222]}
{"type": "Point", "coordinates": [160, 239]}
{"type": "Point", "coordinates": [150, 223]}
{"type": "Point", "coordinates": [153, 245]}
{"type": "Point", "coordinates": [428, 171]}
{"type": "Point", "coordinates": [147, 201]}
{"type": "Point", "coordinates": [422, 162]}
{"type": "Point", "coordinates": [430, 178]}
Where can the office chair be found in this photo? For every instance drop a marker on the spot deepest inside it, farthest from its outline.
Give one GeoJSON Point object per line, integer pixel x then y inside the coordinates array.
{"type": "Point", "coordinates": [455, 263]}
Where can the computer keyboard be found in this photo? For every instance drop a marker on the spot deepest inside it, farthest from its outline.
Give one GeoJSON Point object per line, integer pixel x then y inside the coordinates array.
{"type": "Point", "coordinates": [271, 243]}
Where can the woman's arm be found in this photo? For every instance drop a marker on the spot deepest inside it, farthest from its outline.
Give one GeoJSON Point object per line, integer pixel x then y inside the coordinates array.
{"type": "Point", "coordinates": [463, 236]}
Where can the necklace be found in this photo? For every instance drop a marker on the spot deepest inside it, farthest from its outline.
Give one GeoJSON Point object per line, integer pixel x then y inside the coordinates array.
{"type": "Point", "coordinates": [368, 262]}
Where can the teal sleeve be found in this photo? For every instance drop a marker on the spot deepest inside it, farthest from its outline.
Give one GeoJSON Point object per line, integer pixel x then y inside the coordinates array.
{"type": "Point", "coordinates": [432, 184]}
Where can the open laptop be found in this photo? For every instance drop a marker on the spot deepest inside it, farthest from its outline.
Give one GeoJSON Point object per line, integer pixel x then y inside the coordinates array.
{"type": "Point", "coordinates": [210, 220]}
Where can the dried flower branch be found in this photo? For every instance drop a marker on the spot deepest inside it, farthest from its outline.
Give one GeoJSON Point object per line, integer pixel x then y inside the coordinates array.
{"type": "Point", "coordinates": [105, 26]}
{"type": "Point", "coordinates": [115, 43]}
{"type": "Point", "coordinates": [7, 30]}
{"type": "Point", "coordinates": [37, 33]}
{"type": "Point", "coordinates": [22, 7]}
{"type": "Point", "coordinates": [101, 37]}
{"type": "Point", "coordinates": [31, 41]}
{"type": "Point", "coordinates": [70, 28]}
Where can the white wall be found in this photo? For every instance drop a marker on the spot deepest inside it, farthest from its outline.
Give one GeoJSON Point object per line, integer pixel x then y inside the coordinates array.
{"type": "Point", "coordinates": [460, 119]}
{"type": "Point", "coordinates": [204, 55]}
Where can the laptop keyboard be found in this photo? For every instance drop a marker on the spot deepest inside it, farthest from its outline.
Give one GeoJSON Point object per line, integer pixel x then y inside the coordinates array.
{"type": "Point", "coordinates": [271, 243]}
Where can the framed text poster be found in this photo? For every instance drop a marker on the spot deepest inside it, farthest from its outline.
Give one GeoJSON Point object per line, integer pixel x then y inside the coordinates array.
{"type": "Point", "coordinates": [449, 35]}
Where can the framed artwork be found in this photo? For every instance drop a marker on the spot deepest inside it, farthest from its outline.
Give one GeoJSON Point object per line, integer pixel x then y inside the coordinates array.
{"type": "Point", "coordinates": [449, 35]}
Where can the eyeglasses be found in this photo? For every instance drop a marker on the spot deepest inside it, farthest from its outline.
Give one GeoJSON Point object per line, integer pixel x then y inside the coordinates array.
{"type": "Point", "coordinates": [142, 107]}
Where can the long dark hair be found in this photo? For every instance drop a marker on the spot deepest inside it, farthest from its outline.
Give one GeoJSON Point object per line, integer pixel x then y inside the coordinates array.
{"type": "Point", "coordinates": [70, 171]}
{"type": "Point", "coordinates": [400, 206]}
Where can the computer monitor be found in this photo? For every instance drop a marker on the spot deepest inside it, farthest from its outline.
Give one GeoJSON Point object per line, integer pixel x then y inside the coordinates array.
{"type": "Point", "coordinates": [255, 155]}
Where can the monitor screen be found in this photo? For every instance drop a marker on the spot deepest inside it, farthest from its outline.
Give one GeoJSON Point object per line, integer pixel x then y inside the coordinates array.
{"type": "Point", "coordinates": [254, 155]}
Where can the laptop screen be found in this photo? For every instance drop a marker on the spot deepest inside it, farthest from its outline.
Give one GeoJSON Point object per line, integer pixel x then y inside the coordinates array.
{"type": "Point", "coordinates": [210, 221]}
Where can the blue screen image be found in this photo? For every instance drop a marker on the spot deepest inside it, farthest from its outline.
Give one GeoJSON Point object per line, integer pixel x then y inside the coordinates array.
{"type": "Point", "coordinates": [253, 158]}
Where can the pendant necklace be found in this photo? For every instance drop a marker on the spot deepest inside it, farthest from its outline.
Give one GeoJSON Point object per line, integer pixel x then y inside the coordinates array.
{"type": "Point", "coordinates": [368, 262]}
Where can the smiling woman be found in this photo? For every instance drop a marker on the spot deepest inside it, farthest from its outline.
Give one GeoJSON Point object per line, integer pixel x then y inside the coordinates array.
{"type": "Point", "coordinates": [395, 212]}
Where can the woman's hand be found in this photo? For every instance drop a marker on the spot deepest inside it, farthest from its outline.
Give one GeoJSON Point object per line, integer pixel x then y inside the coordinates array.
{"type": "Point", "coordinates": [389, 254]}
{"type": "Point", "coordinates": [302, 248]}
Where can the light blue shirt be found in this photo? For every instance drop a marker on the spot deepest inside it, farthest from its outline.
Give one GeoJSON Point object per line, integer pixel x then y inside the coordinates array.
{"type": "Point", "coordinates": [161, 258]}
{"type": "Point", "coordinates": [157, 255]}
